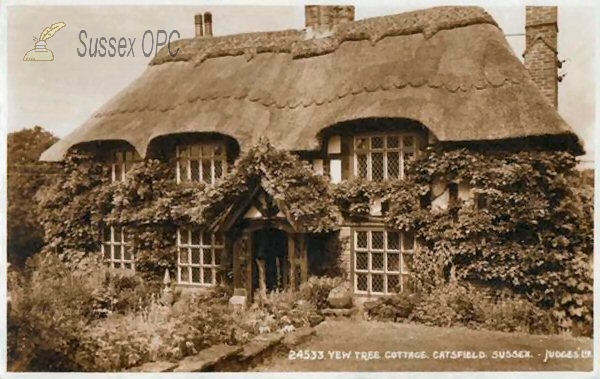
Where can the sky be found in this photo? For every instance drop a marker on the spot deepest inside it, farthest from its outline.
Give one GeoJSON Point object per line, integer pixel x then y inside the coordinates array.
{"type": "Point", "coordinates": [61, 95]}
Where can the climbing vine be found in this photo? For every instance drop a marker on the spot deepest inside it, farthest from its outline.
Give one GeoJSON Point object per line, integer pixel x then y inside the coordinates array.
{"type": "Point", "coordinates": [526, 225]}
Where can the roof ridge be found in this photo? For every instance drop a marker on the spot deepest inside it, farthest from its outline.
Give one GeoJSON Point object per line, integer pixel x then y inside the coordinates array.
{"type": "Point", "coordinates": [426, 21]}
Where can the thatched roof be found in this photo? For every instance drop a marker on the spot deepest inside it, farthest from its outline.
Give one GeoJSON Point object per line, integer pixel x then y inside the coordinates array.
{"type": "Point", "coordinates": [450, 68]}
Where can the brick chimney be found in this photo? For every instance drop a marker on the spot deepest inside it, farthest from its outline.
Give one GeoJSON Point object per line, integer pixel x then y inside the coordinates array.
{"type": "Point", "coordinates": [323, 18]}
{"type": "Point", "coordinates": [203, 23]}
{"type": "Point", "coordinates": [541, 32]}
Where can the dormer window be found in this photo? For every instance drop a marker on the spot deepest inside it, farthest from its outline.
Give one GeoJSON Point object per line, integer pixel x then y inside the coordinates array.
{"type": "Point", "coordinates": [121, 163]}
{"type": "Point", "coordinates": [383, 157]}
{"type": "Point", "coordinates": [206, 162]}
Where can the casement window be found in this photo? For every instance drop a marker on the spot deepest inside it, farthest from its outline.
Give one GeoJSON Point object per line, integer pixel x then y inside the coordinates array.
{"type": "Point", "coordinates": [199, 256]}
{"type": "Point", "coordinates": [121, 163]}
{"type": "Point", "coordinates": [116, 249]}
{"type": "Point", "coordinates": [382, 157]}
{"type": "Point", "coordinates": [382, 260]}
{"type": "Point", "coordinates": [206, 162]}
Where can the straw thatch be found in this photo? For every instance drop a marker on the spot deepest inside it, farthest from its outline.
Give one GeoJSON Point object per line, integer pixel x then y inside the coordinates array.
{"type": "Point", "coordinates": [450, 68]}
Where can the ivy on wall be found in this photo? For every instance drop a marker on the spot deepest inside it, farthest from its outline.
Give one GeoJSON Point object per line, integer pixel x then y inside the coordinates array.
{"type": "Point", "coordinates": [534, 234]}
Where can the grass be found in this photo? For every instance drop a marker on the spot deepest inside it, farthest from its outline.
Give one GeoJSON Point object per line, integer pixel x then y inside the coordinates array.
{"type": "Point", "coordinates": [362, 336]}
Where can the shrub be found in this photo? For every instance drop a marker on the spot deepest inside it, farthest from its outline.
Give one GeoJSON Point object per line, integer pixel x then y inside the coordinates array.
{"type": "Point", "coordinates": [49, 315]}
{"type": "Point", "coordinates": [459, 304]}
{"type": "Point", "coordinates": [316, 289]}
{"type": "Point", "coordinates": [394, 307]}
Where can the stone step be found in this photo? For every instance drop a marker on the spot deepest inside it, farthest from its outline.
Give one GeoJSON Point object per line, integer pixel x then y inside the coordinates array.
{"type": "Point", "coordinates": [206, 359]}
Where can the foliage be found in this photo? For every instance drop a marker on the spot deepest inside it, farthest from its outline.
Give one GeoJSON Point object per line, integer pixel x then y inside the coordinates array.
{"type": "Point", "coordinates": [457, 304]}
{"type": "Point", "coordinates": [533, 235]}
{"type": "Point", "coordinates": [25, 175]}
{"type": "Point", "coordinates": [49, 314]}
{"type": "Point", "coordinates": [288, 180]}
{"type": "Point", "coordinates": [394, 307]}
{"type": "Point", "coordinates": [316, 289]}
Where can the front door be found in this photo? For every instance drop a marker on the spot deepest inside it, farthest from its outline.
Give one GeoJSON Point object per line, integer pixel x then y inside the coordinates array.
{"type": "Point", "coordinates": [270, 265]}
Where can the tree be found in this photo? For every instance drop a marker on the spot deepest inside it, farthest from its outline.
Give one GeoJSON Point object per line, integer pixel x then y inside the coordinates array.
{"type": "Point", "coordinates": [25, 175]}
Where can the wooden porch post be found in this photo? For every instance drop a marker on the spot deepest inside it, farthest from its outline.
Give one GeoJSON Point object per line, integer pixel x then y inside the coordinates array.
{"type": "Point", "coordinates": [292, 260]}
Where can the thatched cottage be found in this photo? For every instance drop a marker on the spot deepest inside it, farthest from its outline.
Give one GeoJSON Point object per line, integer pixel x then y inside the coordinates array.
{"type": "Point", "coordinates": [352, 98]}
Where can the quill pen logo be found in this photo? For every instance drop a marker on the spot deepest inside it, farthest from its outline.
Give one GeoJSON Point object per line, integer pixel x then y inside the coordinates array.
{"type": "Point", "coordinates": [40, 51]}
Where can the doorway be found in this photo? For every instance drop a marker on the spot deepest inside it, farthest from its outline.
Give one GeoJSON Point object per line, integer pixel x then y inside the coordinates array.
{"type": "Point", "coordinates": [270, 262]}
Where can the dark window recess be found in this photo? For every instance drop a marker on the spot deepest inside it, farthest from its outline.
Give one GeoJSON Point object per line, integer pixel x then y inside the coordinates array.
{"type": "Point", "coordinates": [453, 193]}
{"type": "Point", "coordinates": [481, 201]}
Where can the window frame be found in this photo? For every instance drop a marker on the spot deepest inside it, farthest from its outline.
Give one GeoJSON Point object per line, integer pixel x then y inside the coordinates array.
{"type": "Point", "coordinates": [118, 159]}
{"type": "Point", "coordinates": [188, 247]}
{"type": "Point", "coordinates": [122, 243]}
{"type": "Point", "coordinates": [402, 273]}
{"type": "Point", "coordinates": [212, 157]}
{"type": "Point", "coordinates": [401, 150]}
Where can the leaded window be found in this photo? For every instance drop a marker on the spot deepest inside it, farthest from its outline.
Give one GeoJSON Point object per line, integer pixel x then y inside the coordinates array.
{"type": "Point", "coordinates": [116, 248]}
{"type": "Point", "coordinates": [121, 163]}
{"type": "Point", "coordinates": [199, 256]}
{"type": "Point", "coordinates": [383, 157]}
{"type": "Point", "coordinates": [382, 260]}
{"type": "Point", "coordinates": [205, 162]}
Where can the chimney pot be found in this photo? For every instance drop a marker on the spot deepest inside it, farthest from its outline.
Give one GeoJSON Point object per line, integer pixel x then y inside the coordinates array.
{"type": "Point", "coordinates": [199, 25]}
{"type": "Point", "coordinates": [208, 24]}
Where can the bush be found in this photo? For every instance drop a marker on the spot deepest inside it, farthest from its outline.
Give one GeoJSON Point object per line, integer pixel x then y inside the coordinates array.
{"type": "Point", "coordinates": [393, 308]}
{"type": "Point", "coordinates": [316, 289]}
{"type": "Point", "coordinates": [458, 304]}
{"type": "Point", "coordinates": [49, 314]}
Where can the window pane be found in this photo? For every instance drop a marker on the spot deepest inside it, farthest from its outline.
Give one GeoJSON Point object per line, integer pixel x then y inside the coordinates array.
{"type": "Point", "coordinates": [408, 240]}
{"type": "Point", "coordinates": [361, 240]}
{"type": "Point", "coordinates": [393, 240]}
{"type": "Point", "coordinates": [393, 283]}
{"type": "Point", "coordinates": [196, 256]}
{"type": "Point", "coordinates": [393, 142]}
{"type": "Point", "coordinates": [377, 240]}
{"type": "Point", "coordinates": [377, 166]}
{"type": "Point", "coordinates": [106, 234]}
{"type": "Point", "coordinates": [377, 142]}
{"type": "Point", "coordinates": [207, 256]}
{"type": "Point", "coordinates": [361, 143]}
{"type": "Point", "coordinates": [118, 173]}
{"type": "Point", "coordinates": [362, 261]}
{"type": "Point", "coordinates": [194, 171]}
{"type": "Point", "coordinates": [393, 164]}
{"type": "Point", "coordinates": [218, 253]}
{"type": "Point", "coordinates": [207, 276]}
{"type": "Point", "coordinates": [182, 170]}
{"type": "Point", "coordinates": [408, 141]}
{"type": "Point", "coordinates": [206, 174]}
{"type": "Point", "coordinates": [183, 151]}
{"type": "Point", "coordinates": [377, 283]}
{"type": "Point", "coordinates": [407, 262]}
{"type": "Point", "coordinates": [127, 253]}
{"type": "Point", "coordinates": [218, 239]}
{"type": "Point", "coordinates": [196, 275]}
{"type": "Point", "coordinates": [185, 274]}
{"type": "Point", "coordinates": [196, 235]}
{"type": "Point", "coordinates": [377, 261]}
{"type": "Point", "coordinates": [183, 256]}
{"type": "Point", "coordinates": [218, 169]}
{"type": "Point", "coordinates": [106, 248]}
{"type": "Point", "coordinates": [183, 236]}
{"type": "Point", "coordinates": [195, 151]}
{"type": "Point", "coordinates": [128, 266]}
{"type": "Point", "coordinates": [361, 282]}
{"type": "Point", "coordinates": [219, 150]}
{"type": "Point", "coordinates": [393, 262]}
{"type": "Point", "coordinates": [361, 165]}
{"type": "Point", "coordinates": [206, 238]}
